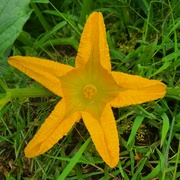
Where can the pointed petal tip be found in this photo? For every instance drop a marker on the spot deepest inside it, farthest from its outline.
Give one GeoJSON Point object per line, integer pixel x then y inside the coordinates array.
{"type": "Point", "coordinates": [104, 135]}
{"type": "Point", "coordinates": [113, 164]}
{"type": "Point", "coordinates": [28, 153]}
{"type": "Point", "coordinates": [10, 59]}
{"type": "Point", "coordinates": [137, 89]}
{"type": "Point", "coordinates": [44, 71]}
{"type": "Point", "coordinates": [51, 131]}
{"type": "Point", "coordinates": [96, 14]}
{"type": "Point", "coordinates": [93, 44]}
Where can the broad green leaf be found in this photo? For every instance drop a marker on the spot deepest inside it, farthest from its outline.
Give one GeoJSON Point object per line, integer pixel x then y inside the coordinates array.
{"type": "Point", "coordinates": [13, 15]}
{"type": "Point", "coordinates": [165, 127]}
{"type": "Point", "coordinates": [137, 122]}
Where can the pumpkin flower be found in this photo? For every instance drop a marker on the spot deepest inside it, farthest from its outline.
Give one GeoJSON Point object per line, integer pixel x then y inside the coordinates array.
{"type": "Point", "coordinates": [88, 91]}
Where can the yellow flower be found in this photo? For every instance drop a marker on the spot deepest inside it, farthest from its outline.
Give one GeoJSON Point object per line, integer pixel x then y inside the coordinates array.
{"type": "Point", "coordinates": [88, 91]}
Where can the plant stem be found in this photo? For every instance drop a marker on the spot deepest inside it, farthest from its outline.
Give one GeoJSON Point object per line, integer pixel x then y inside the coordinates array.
{"type": "Point", "coordinates": [29, 92]}
{"type": "Point", "coordinates": [173, 93]}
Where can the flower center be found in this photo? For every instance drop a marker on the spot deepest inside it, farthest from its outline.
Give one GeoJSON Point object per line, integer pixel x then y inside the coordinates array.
{"type": "Point", "coordinates": [89, 91]}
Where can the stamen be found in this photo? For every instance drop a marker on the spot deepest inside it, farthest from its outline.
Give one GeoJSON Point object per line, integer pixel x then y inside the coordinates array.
{"type": "Point", "coordinates": [89, 91]}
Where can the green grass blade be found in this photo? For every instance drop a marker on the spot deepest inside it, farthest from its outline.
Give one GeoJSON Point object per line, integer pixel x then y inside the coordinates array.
{"type": "Point", "coordinates": [137, 122]}
{"type": "Point", "coordinates": [79, 171]}
{"type": "Point", "coordinates": [141, 164]}
{"type": "Point", "coordinates": [122, 172]}
{"type": "Point", "coordinates": [41, 18]}
{"type": "Point", "coordinates": [47, 35]}
{"type": "Point", "coordinates": [165, 127]}
{"type": "Point", "coordinates": [153, 173]}
{"type": "Point", "coordinates": [39, 1]}
{"type": "Point", "coordinates": [3, 85]}
{"type": "Point", "coordinates": [177, 162]}
{"type": "Point", "coordinates": [167, 155]}
{"type": "Point", "coordinates": [86, 8]}
{"type": "Point", "coordinates": [74, 160]}
{"type": "Point", "coordinates": [72, 25]}
{"type": "Point", "coordinates": [171, 56]}
{"type": "Point", "coordinates": [162, 68]}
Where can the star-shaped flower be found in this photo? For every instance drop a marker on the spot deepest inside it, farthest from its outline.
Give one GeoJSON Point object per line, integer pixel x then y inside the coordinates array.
{"type": "Point", "coordinates": [88, 91]}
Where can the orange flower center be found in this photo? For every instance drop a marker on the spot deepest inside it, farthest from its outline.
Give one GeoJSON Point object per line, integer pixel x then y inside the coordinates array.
{"type": "Point", "coordinates": [89, 91]}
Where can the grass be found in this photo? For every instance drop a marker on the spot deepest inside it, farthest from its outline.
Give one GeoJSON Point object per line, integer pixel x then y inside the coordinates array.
{"type": "Point", "coordinates": [143, 38]}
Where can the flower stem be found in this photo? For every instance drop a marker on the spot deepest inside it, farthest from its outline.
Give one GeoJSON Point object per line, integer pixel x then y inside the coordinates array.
{"type": "Point", "coordinates": [173, 93]}
{"type": "Point", "coordinates": [29, 92]}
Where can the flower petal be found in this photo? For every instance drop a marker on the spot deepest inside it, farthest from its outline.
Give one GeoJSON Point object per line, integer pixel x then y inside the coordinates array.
{"type": "Point", "coordinates": [93, 44]}
{"type": "Point", "coordinates": [104, 134]}
{"type": "Point", "coordinates": [52, 130]}
{"type": "Point", "coordinates": [136, 89]}
{"type": "Point", "coordinates": [45, 72]}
